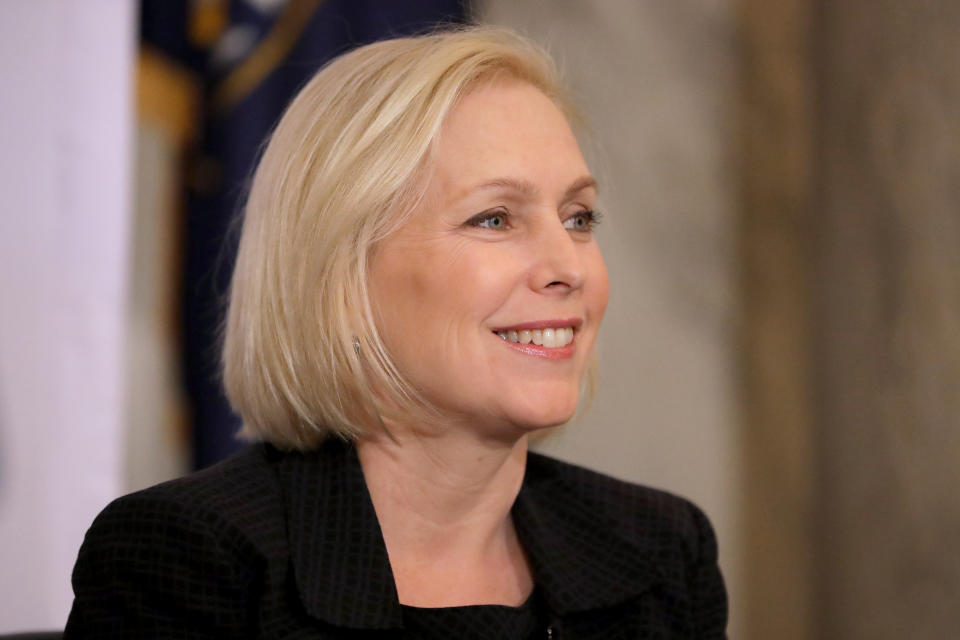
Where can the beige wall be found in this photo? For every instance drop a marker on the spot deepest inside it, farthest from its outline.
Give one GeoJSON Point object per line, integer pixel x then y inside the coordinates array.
{"type": "Point", "coordinates": [888, 207]}
{"type": "Point", "coordinates": [852, 312]}
{"type": "Point", "coordinates": [656, 80]}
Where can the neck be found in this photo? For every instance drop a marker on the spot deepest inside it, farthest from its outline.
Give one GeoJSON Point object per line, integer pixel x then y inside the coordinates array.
{"type": "Point", "coordinates": [443, 503]}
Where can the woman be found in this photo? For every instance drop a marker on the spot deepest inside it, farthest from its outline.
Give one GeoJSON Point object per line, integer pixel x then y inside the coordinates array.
{"type": "Point", "coordinates": [417, 290]}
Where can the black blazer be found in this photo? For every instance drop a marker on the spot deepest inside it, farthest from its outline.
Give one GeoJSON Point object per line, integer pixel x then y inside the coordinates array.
{"type": "Point", "coordinates": [272, 544]}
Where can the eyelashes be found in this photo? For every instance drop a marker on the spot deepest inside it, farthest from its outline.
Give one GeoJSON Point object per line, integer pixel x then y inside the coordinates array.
{"type": "Point", "coordinates": [496, 220]}
{"type": "Point", "coordinates": [499, 220]}
{"type": "Point", "coordinates": [585, 220]}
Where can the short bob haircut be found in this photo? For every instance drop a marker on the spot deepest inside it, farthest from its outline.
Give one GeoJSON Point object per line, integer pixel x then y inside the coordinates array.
{"type": "Point", "coordinates": [344, 167]}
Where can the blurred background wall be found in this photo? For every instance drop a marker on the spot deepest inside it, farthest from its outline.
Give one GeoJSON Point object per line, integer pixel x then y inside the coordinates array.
{"type": "Point", "coordinates": [782, 220]}
{"type": "Point", "coordinates": [851, 318]}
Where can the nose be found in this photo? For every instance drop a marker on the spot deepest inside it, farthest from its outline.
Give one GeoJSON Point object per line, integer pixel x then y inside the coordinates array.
{"type": "Point", "coordinates": [557, 264]}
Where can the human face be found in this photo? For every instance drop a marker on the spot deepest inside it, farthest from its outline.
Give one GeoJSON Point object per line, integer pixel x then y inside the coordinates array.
{"type": "Point", "coordinates": [502, 242]}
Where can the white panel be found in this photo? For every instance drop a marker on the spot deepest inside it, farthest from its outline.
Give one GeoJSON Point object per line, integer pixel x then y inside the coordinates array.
{"type": "Point", "coordinates": [65, 123]}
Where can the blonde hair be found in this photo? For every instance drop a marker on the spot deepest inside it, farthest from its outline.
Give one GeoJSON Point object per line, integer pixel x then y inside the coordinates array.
{"type": "Point", "coordinates": [302, 356]}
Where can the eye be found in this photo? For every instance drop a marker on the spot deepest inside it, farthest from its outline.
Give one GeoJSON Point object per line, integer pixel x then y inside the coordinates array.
{"type": "Point", "coordinates": [495, 220]}
{"type": "Point", "coordinates": [582, 221]}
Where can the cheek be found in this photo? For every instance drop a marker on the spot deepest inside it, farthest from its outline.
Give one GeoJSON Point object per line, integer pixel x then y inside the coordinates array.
{"type": "Point", "coordinates": [466, 284]}
{"type": "Point", "coordinates": [599, 293]}
{"type": "Point", "coordinates": [421, 288]}
{"type": "Point", "coordinates": [395, 288]}
{"type": "Point", "coordinates": [487, 280]}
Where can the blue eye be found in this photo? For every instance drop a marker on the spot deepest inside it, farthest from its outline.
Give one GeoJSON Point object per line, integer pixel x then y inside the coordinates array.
{"type": "Point", "coordinates": [582, 221]}
{"type": "Point", "coordinates": [495, 220]}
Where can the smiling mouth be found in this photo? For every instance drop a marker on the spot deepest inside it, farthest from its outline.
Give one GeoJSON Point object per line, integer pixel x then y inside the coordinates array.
{"type": "Point", "coordinates": [550, 338]}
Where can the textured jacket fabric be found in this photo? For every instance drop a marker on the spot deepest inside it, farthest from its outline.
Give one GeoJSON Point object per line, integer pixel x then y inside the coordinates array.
{"type": "Point", "coordinates": [273, 544]}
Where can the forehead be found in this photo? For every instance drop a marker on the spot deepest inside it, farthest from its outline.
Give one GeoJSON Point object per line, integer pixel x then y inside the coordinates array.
{"type": "Point", "coordinates": [505, 130]}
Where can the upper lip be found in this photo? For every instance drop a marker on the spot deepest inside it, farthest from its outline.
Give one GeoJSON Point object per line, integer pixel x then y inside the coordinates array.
{"type": "Point", "coordinates": [543, 324]}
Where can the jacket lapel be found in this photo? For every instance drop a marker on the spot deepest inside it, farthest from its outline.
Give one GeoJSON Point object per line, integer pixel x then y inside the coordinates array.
{"type": "Point", "coordinates": [580, 559]}
{"type": "Point", "coordinates": [339, 559]}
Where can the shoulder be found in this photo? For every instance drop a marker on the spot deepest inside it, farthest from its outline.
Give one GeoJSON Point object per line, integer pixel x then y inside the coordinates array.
{"type": "Point", "coordinates": [228, 495]}
{"type": "Point", "coordinates": [651, 518]}
{"type": "Point", "coordinates": [226, 517]}
{"type": "Point", "coordinates": [641, 535]}
{"type": "Point", "coordinates": [187, 550]}
{"type": "Point", "coordinates": [232, 507]}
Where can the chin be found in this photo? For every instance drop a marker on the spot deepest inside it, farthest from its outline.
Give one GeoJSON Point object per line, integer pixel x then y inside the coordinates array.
{"type": "Point", "coordinates": [544, 415]}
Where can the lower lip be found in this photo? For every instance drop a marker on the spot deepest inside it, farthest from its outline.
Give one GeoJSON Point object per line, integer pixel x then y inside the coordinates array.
{"type": "Point", "coordinates": [547, 353]}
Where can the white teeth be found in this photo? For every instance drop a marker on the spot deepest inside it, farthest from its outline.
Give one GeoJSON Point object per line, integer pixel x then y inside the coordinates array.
{"type": "Point", "coordinates": [551, 338]}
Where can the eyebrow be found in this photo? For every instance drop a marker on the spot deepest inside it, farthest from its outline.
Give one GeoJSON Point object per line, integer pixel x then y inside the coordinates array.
{"type": "Point", "coordinates": [531, 190]}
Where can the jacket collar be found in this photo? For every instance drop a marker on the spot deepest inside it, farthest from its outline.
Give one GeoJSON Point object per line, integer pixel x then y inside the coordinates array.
{"type": "Point", "coordinates": [581, 558]}
{"type": "Point", "coordinates": [339, 558]}
{"type": "Point", "coordinates": [342, 570]}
